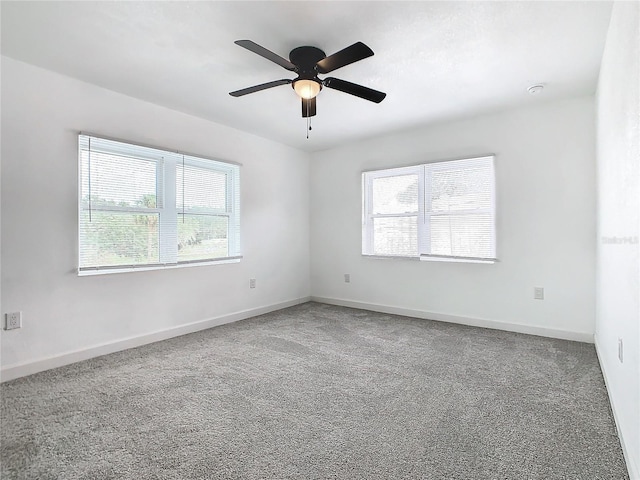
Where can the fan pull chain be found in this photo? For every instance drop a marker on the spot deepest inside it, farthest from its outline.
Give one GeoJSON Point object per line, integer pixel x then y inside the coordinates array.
{"type": "Point", "coordinates": [308, 121]}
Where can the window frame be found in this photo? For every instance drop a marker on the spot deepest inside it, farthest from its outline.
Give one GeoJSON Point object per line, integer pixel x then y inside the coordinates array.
{"type": "Point", "coordinates": [424, 172]}
{"type": "Point", "coordinates": [167, 162]}
{"type": "Point", "coordinates": [369, 216]}
{"type": "Point", "coordinates": [230, 211]}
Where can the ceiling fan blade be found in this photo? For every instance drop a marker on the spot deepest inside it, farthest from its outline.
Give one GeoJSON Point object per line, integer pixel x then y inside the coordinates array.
{"type": "Point", "coordinates": [257, 88]}
{"type": "Point", "coordinates": [308, 107]}
{"type": "Point", "coordinates": [351, 54]}
{"type": "Point", "coordinates": [354, 89]}
{"type": "Point", "coordinates": [268, 54]}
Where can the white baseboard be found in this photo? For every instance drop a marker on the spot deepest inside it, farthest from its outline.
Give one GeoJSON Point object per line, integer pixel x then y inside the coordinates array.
{"type": "Point", "coordinates": [632, 466]}
{"type": "Point", "coordinates": [10, 372]}
{"type": "Point", "coordinates": [470, 321]}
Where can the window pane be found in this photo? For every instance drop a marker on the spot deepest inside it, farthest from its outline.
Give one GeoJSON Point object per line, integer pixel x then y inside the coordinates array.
{"type": "Point", "coordinates": [398, 194]}
{"type": "Point", "coordinates": [118, 238]}
{"type": "Point", "coordinates": [461, 189]}
{"type": "Point", "coordinates": [395, 236]}
{"type": "Point", "coordinates": [462, 235]}
{"type": "Point", "coordinates": [118, 181]}
{"type": "Point", "coordinates": [204, 189]}
{"type": "Point", "coordinates": [201, 237]}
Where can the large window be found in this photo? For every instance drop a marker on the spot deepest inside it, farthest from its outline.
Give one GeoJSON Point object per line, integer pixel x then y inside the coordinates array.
{"type": "Point", "coordinates": [439, 211]}
{"type": "Point", "coordinates": [141, 207]}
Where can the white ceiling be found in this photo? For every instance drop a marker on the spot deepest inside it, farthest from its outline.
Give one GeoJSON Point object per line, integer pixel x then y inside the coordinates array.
{"type": "Point", "coordinates": [435, 60]}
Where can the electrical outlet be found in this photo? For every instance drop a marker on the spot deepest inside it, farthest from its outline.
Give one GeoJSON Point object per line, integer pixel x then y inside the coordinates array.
{"type": "Point", "coordinates": [13, 320]}
{"type": "Point", "coordinates": [620, 350]}
{"type": "Point", "coordinates": [347, 278]}
{"type": "Point", "coordinates": [252, 283]}
{"type": "Point", "coordinates": [538, 293]}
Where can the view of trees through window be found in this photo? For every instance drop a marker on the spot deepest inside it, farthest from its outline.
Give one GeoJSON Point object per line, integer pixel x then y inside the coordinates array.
{"type": "Point", "coordinates": [119, 238]}
{"type": "Point", "coordinates": [202, 236]}
{"type": "Point", "coordinates": [124, 238]}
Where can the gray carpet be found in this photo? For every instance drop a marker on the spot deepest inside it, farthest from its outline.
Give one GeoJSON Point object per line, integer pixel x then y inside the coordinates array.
{"type": "Point", "coordinates": [319, 392]}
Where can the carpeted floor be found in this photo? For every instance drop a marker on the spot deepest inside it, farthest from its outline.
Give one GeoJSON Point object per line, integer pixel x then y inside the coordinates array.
{"type": "Point", "coordinates": [319, 392]}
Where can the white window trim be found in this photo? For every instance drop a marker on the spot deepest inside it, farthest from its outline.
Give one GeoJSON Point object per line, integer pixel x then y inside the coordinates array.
{"type": "Point", "coordinates": [166, 205]}
{"type": "Point", "coordinates": [423, 171]}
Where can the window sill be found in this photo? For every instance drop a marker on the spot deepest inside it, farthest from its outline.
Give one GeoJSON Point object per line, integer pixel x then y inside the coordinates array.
{"type": "Point", "coordinates": [146, 268]}
{"type": "Point", "coordinates": [458, 260]}
{"type": "Point", "coordinates": [390, 257]}
{"type": "Point", "coordinates": [432, 259]}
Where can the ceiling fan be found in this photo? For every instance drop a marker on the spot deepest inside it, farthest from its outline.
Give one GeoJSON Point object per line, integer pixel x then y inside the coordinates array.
{"type": "Point", "coordinates": [308, 62]}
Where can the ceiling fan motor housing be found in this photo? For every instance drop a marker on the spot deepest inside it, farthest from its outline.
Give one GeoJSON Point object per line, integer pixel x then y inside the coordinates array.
{"type": "Point", "coordinates": [306, 58]}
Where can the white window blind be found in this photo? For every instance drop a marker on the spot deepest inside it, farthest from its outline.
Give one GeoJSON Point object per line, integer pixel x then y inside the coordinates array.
{"type": "Point", "coordinates": [146, 207]}
{"type": "Point", "coordinates": [441, 210]}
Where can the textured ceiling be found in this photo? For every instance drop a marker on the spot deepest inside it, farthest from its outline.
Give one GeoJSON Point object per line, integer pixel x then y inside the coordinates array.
{"type": "Point", "coordinates": [435, 60]}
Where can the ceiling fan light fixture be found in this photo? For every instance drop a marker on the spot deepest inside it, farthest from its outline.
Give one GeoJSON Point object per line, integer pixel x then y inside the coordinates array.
{"type": "Point", "coordinates": [307, 89]}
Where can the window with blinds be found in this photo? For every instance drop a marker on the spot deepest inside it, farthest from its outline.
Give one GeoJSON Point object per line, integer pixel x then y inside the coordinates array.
{"type": "Point", "coordinates": [439, 211]}
{"type": "Point", "coordinates": [142, 207]}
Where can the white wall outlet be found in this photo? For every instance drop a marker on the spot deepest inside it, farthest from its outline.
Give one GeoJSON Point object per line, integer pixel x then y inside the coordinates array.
{"type": "Point", "coordinates": [252, 283]}
{"type": "Point", "coordinates": [13, 320]}
{"type": "Point", "coordinates": [347, 278]}
{"type": "Point", "coordinates": [620, 350]}
{"type": "Point", "coordinates": [538, 293]}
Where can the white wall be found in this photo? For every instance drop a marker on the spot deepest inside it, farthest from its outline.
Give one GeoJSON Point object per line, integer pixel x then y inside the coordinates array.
{"type": "Point", "coordinates": [618, 264]}
{"type": "Point", "coordinates": [42, 113]}
{"type": "Point", "coordinates": [545, 180]}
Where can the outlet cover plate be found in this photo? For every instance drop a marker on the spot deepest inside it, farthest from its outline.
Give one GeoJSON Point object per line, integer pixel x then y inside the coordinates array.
{"type": "Point", "coordinates": [13, 320]}
{"type": "Point", "coordinates": [620, 350]}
